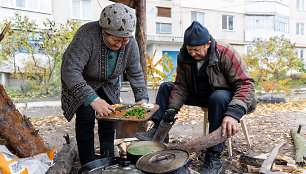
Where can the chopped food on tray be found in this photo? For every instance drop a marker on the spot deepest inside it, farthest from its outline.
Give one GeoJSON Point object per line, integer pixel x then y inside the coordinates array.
{"type": "Point", "coordinates": [116, 106]}
{"type": "Point", "coordinates": [147, 105]}
{"type": "Point", "coordinates": [138, 112]}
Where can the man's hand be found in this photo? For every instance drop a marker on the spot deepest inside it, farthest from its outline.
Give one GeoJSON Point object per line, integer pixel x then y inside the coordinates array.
{"type": "Point", "coordinates": [102, 107]}
{"type": "Point", "coordinates": [169, 115]}
{"type": "Point", "coordinates": [229, 125]}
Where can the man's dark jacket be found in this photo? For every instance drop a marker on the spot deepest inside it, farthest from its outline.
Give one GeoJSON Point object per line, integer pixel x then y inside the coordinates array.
{"type": "Point", "coordinates": [226, 70]}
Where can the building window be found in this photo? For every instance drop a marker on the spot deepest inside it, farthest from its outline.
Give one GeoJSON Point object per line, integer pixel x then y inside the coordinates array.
{"type": "Point", "coordinates": [300, 53]}
{"type": "Point", "coordinates": [281, 24]}
{"type": "Point", "coordinates": [299, 28]}
{"type": "Point", "coordinates": [300, 4]}
{"type": "Point", "coordinates": [44, 6]}
{"type": "Point", "coordinates": [33, 4]}
{"type": "Point", "coordinates": [163, 27]}
{"type": "Point", "coordinates": [227, 22]}
{"type": "Point", "coordinates": [81, 9]}
{"type": "Point", "coordinates": [198, 16]}
{"type": "Point", "coordinates": [257, 22]}
{"type": "Point", "coordinates": [20, 3]}
{"type": "Point", "coordinates": [163, 12]}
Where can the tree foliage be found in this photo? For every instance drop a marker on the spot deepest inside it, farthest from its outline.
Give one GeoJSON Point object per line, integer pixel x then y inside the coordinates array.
{"type": "Point", "coordinates": [156, 75]}
{"type": "Point", "coordinates": [270, 61]}
{"type": "Point", "coordinates": [35, 53]}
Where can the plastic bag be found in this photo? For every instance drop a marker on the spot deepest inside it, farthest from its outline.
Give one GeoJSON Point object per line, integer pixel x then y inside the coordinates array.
{"type": "Point", "coordinates": [36, 164]}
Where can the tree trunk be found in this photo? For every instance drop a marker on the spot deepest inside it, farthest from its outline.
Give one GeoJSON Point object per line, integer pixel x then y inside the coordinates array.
{"type": "Point", "coordinates": [4, 31]}
{"type": "Point", "coordinates": [201, 143]}
{"type": "Point", "coordinates": [65, 159]}
{"type": "Point", "coordinates": [141, 34]}
{"type": "Point", "coordinates": [17, 130]}
{"type": "Point", "coordinates": [300, 145]}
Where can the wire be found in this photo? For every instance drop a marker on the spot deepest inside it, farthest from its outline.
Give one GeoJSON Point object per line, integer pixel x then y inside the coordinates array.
{"type": "Point", "coordinates": [99, 4]}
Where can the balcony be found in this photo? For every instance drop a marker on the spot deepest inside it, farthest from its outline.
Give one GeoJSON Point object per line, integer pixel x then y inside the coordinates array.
{"type": "Point", "coordinates": [162, 39]}
{"type": "Point", "coordinates": [266, 7]}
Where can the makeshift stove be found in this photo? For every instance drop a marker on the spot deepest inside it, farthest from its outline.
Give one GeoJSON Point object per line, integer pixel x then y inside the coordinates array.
{"type": "Point", "coordinates": [158, 160]}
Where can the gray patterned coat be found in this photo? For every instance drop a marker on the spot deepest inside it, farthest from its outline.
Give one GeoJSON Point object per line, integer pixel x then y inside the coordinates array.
{"type": "Point", "coordinates": [84, 69]}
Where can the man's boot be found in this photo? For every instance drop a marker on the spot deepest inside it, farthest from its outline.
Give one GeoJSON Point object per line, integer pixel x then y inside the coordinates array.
{"type": "Point", "coordinates": [212, 163]}
{"type": "Point", "coordinates": [148, 135]}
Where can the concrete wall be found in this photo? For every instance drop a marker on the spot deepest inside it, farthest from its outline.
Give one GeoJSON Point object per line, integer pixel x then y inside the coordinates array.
{"type": "Point", "coordinates": [62, 10]}
{"type": "Point", "coordinates": [38, 17]}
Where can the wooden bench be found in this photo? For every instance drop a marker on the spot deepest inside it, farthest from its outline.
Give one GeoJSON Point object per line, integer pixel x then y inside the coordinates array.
{"type": "Point", "coordinates": [229, 140]}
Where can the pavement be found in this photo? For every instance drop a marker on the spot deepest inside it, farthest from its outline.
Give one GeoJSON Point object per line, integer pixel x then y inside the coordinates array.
{"type": "Point", "coordinates": [52, 106]}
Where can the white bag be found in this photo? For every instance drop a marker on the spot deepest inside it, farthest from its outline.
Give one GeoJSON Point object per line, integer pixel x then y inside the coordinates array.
{"type": "Point", "coordinates": [36, 164]}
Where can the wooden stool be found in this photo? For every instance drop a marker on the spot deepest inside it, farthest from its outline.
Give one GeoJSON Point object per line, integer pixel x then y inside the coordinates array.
{"type": "Point", "coordinates": [229, 140]}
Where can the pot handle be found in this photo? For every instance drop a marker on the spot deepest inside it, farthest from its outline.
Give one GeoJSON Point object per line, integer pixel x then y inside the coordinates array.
{"type": "Point", "coordinates": [161, 157]}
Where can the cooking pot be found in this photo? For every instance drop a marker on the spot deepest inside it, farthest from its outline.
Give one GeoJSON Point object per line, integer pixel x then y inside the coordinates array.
{"type": "Point", "coordinates": [140, 148]}
{"type": "Point", "coordinates": [109, 166]}
{"type": "Point", "coordinates": [95, 165]}
{"type": "Point", "coordinates": [172, 161]}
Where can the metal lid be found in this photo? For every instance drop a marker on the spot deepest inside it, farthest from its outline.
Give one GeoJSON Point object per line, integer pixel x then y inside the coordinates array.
{"type": "Point", "coordinates": [163, 161]}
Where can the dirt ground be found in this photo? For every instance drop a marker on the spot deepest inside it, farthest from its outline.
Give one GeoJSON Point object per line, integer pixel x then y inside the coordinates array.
{"type": "Point", "coordinates": [269, 124]}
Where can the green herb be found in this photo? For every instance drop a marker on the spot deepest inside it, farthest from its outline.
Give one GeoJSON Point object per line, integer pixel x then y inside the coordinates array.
{"type": "Point", "coordinates": [138, 112]}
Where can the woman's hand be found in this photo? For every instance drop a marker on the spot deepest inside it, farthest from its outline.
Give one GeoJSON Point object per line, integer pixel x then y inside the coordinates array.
{"type": "Point", "coordinates": [102, 107]}
{"type": "Point", "coordinates": [229, 125]}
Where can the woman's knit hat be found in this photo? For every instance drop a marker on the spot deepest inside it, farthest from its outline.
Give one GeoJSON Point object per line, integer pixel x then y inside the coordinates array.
{"type": "Point", "coordinates": [196, 35]}
{"type": "Point", "coordinates": [118, 20]}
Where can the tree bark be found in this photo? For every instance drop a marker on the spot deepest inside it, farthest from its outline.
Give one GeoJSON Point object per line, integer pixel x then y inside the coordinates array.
{"type": "Point", "coordinates": [141, 34]}
{"type": "Point", "coordinates": [4, 31]}
{"type": "Point", "coordinates": [300, 145]}
{"type": "Point", "coordinates": [65, 159]}
{"type": "Point", "coordinates": [17, 130]}
{"type": "Point", "coordinates": [200, 143]}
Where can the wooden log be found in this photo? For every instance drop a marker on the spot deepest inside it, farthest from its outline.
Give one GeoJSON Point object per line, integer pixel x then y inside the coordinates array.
{"type": "Point", "coordinates": [267, 164]}
{"type": "Point", "coordinates": [257, 162]}
{"type": "Point", "coordinates": [200, 143]}
{"type": "Point", "coordinates": [18, 130]}
{"type": "Point", "coordinates": [300, 145]}
{"type": "Point", "coordinates": [4, 31]}
{"type": "Point", "coordinates": [65, 159]}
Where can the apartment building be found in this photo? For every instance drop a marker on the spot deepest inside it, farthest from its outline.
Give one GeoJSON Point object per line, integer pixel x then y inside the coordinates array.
{"type": "Point", "coordinates": [237, 22]}
{"type": "Point", "coordinates": [168, 19]}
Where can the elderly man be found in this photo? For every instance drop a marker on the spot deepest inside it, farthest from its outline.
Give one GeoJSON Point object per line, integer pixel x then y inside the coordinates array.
{"type": "Point", "coordinates": [209, 74]}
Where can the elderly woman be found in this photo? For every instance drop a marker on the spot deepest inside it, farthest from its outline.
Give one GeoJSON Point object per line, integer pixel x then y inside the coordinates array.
{"type": "Point", "coordinates": [98, 54]}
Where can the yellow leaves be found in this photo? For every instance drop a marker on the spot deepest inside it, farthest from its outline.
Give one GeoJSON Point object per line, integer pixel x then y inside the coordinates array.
{"type": "Point", "coordinates": [269, 85]}
{"type": "Point", "coordinates": [160, 70]}
{"type": "Point", "coordinates": [289, 106]}
{"type": "Point", "coordinates": [297, 171]}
